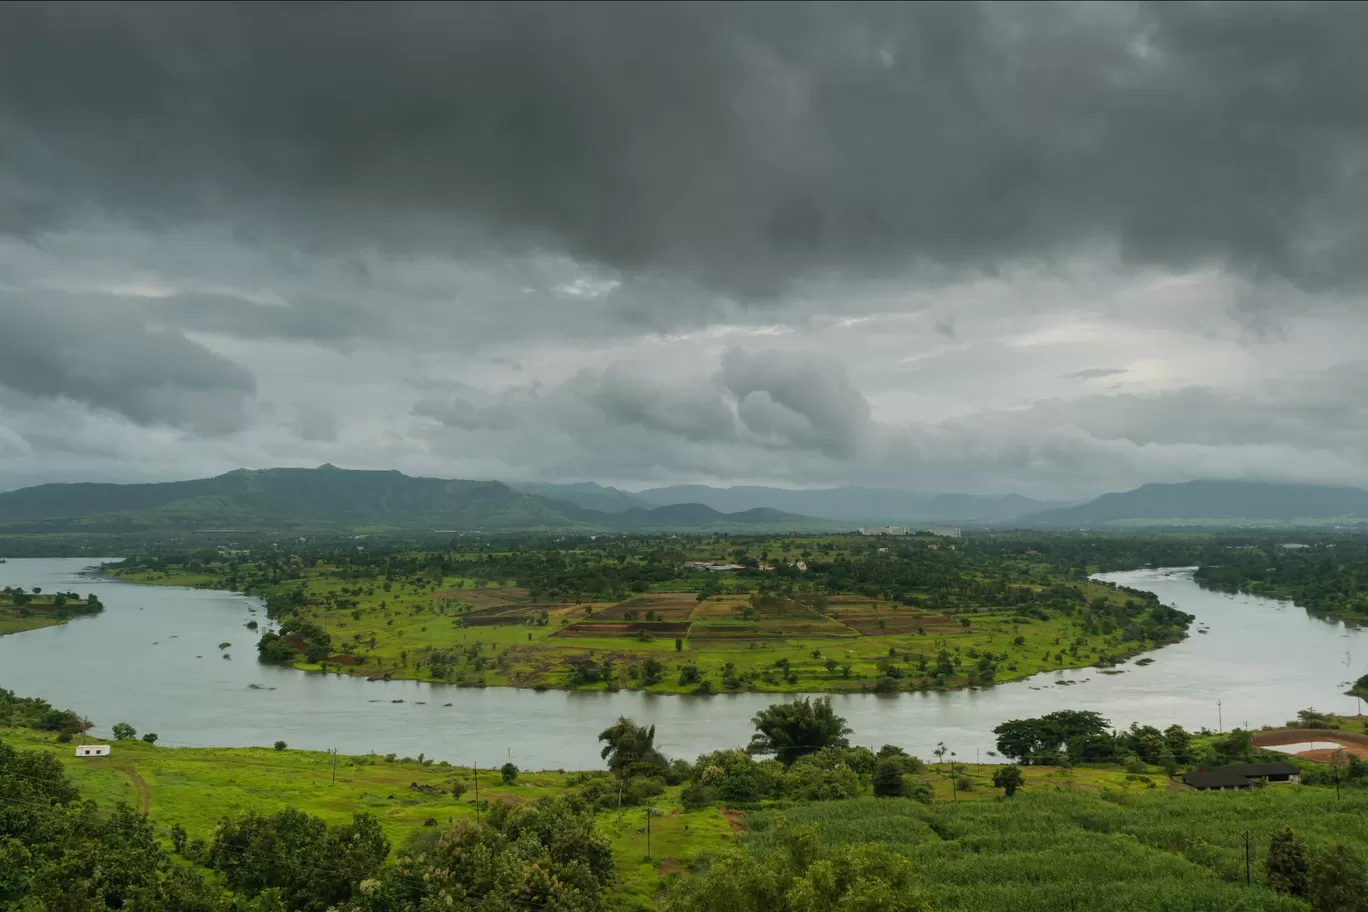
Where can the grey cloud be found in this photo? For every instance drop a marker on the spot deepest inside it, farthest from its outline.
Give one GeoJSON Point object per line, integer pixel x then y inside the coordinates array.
{"type": "Point", "coordinates": [469, 416]}
{"type": "Point", "coordinates": [693, 411]}
{"type": "Point", "coordinates": [739, 145]}
{"type": "Point", "coordinates": [96, 351]}
{"type": "Point", "coordinates": [304, 317]}
{"type": "Point", "coordinates": [1095, 373]}
{"type": "Point", "coordinates": [317, 425]}
{"type": "Point", "coordinates": [806, 399]}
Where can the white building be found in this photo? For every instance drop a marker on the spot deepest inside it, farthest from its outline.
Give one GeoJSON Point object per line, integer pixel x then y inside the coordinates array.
{"type": "Point", "coordinates": [92, 750]}
{"type": "Point", "coordinates": [884, 530]}
{"type": "Point", "coordinates": [945, 532]}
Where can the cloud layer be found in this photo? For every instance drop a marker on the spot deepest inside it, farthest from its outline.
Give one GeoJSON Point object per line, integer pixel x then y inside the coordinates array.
{"type": "Point", "coordinates": [1055, 248]}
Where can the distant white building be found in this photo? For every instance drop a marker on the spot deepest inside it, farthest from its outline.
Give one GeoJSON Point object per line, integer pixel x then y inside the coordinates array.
{"type": "Point", "coordinates": [92, 750]}
{"type": "Point", "coordinates": [885, 530]}
{"type": "Point", "coordinates": [946, 532]}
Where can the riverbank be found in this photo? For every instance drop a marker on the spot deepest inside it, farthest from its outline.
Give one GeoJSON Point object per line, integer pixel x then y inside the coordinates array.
{"type": "Point", "coordinates": [23, 609]}
{"type": "Point", "coordinates": [481, 633]}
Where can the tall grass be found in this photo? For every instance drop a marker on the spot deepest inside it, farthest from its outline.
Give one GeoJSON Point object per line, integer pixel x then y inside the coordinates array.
{"type": "Point", "coordinates": [1060, 851]}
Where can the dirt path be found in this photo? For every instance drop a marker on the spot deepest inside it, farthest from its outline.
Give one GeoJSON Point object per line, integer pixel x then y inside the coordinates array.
{"type": "Point", "coordinates": [139, 786]}
{"type": "Point", "coordinates": [1352, 742]}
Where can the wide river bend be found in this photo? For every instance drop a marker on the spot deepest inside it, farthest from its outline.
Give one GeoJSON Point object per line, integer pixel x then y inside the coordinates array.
{"type": "Point", "coordinates": [152, 659]}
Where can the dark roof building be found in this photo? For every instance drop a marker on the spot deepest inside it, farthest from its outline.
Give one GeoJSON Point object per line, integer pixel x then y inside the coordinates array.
{"type": "Point", "coordinates": [1217, 779]}
{"type": "Point", "coordinates": [1272, 772]}
{"type": "Point", "coordinates": [1241, 775]}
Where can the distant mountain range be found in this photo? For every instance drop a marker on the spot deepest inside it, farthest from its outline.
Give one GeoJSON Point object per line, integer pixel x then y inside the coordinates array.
{"type": "Point", "coordinates": [332, 499]}
{"type": "Point", "coordinates": [1214, 503]}
{"type": "Point", "coordinates": [329, 498]}
{"type": "Point", "coordinates": [851, 504]}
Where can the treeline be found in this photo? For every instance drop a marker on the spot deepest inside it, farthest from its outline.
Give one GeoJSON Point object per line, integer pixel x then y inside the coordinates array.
{"type": "Point", "coordinates": [1327, 576]}
{"type": "Point", "coordinates": [60, 604]}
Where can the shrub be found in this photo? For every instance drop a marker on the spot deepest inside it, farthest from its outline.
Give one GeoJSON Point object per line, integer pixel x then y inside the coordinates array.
{"type": "Point", "coordinates": [888, 779]}
{"type": "Point", "coordinates": [508, 773]}
{"type": "Point", "coordinates": [280, 745]}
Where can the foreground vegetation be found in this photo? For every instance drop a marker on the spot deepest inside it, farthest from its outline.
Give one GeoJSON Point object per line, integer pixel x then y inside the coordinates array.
{"type": "Point", "coordinates": [818, 825]}
{"type": "Point", "coordinates": [688, 615]}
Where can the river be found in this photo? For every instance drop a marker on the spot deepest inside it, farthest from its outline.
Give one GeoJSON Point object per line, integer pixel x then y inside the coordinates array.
{"type": "Point", "coordinates": [152, 659]}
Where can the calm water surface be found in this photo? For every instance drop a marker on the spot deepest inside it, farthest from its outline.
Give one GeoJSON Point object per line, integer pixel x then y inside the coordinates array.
{"type": "Point", "coordinates": [152, 659]}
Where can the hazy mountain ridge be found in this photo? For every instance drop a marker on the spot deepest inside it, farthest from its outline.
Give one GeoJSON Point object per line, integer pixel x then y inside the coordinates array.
{"type": "Point", "coordinates": [331, 498]}
{"type": "Point", "coordinates": [585, 494]}
{"type": "Point", "coordinates": [856, 504]}
{"type": "Point", "coordinates": [1252, 501]}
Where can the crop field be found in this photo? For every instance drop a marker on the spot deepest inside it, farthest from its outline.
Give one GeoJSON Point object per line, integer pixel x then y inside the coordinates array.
{"type": "Point", "coordinates": [1046, 850]}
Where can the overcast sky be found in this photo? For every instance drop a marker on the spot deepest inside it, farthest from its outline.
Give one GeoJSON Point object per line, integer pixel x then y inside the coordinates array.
{"type": "Point", "coordinates": [1051, 248]}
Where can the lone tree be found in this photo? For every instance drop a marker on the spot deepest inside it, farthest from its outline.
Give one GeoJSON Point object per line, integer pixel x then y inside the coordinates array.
{"type": "Point", "coordinates": [1008, 778]}
{"type": "Point", "coordinates": [509, 773]}
{"type": "Point", "coordinates": [791, 730]}
{"type": "Point", "coordinates": [1288, 863]}
{"type": "Point", "coordinates": [150, 737]}
{"type": "Point", "coordinates": [888, 778]}
{"type": "Point", "coordinates": [627, 744]}
{"type": "Point", "coordinates": [124, 732]}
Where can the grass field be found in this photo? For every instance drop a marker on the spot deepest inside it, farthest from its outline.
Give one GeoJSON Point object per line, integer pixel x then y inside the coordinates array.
{"type": "Point", "coordinates": [493, 634]}
{"type": "Point", "coordinates": [1068, 837]}
{"type": "Point", "coordinates": [1044, 851]}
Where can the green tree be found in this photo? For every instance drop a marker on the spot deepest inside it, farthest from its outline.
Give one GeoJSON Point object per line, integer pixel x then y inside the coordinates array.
{"type": "Point", "coordinates": [312, 865]}
{"type": "Point", "coordinates": [888, 778]}
{"type": "Point", "coordinates": [150, 737]}
{"type": "Point", "coordinates": [508, 773]}
{"type": "Point", "coordinates": [178, 838]}
{"type": "Point", "coordinates": [805, 726]}
{"type": "Point", "coordinates": [1336, 881]}
{"type": "Point", "coordinates": [802, 876]}
{"type": "Point", "coordinates": [679, 644]}
{"type": "Point", "coordinates": [1008, 778]}
{"type": "Point", "coordinates": [627, 744]}
{"type": "Point", "coordinates": [280, 745]}
{"type": "Point", "coordinates": [1288, 863]}
{"type": "Point", "coordinates": [123, 731]}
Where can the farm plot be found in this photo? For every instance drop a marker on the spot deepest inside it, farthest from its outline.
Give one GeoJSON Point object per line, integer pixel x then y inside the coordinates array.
{"type": "Point", "coordinates": [657, 615]}
{"type": "Point", "coordinates": [503, 615]}
{"type": "Point", "coordinates": [717, 620]}
{"type": "Point", "coordinates": [872, 618]}
{"type": "Point", "coordinates": [483, 598]}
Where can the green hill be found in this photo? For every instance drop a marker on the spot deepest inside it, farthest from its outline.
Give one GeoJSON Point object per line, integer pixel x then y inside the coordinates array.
{"type": "Point", "coordinates": [329, 498]}
{"type": "Point", "coordinates": [1214, 502]}
{"type": "Point", "coordinates": [585, 494]}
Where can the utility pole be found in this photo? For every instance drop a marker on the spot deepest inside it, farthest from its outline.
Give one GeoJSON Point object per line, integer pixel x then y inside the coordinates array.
{"type": "Point", "coordinates": [619, 799]}
{"type": "Point", "coordinates": [1220, 726]}
{"type": "Point", "coordinates": [648, 832]}
{"type": "Point", "coordinates": [477, 793]}
{"type": "Point", "coordinates": [1334, 762]}
{"type": "Point", "coordinates": [334, 765]}
{"type": "Point", "coordinates": [1248, 858]}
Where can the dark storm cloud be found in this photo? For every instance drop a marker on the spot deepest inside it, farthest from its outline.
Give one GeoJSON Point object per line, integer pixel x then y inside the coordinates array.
{"type": "Point", "coordinates": [95, 351]}
{"type": "Point", "coordinates": [736, 145]}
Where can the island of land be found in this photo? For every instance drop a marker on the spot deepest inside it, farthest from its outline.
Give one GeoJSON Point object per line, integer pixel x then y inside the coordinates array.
{"type": "Point", "coordinates": [670, 614]}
